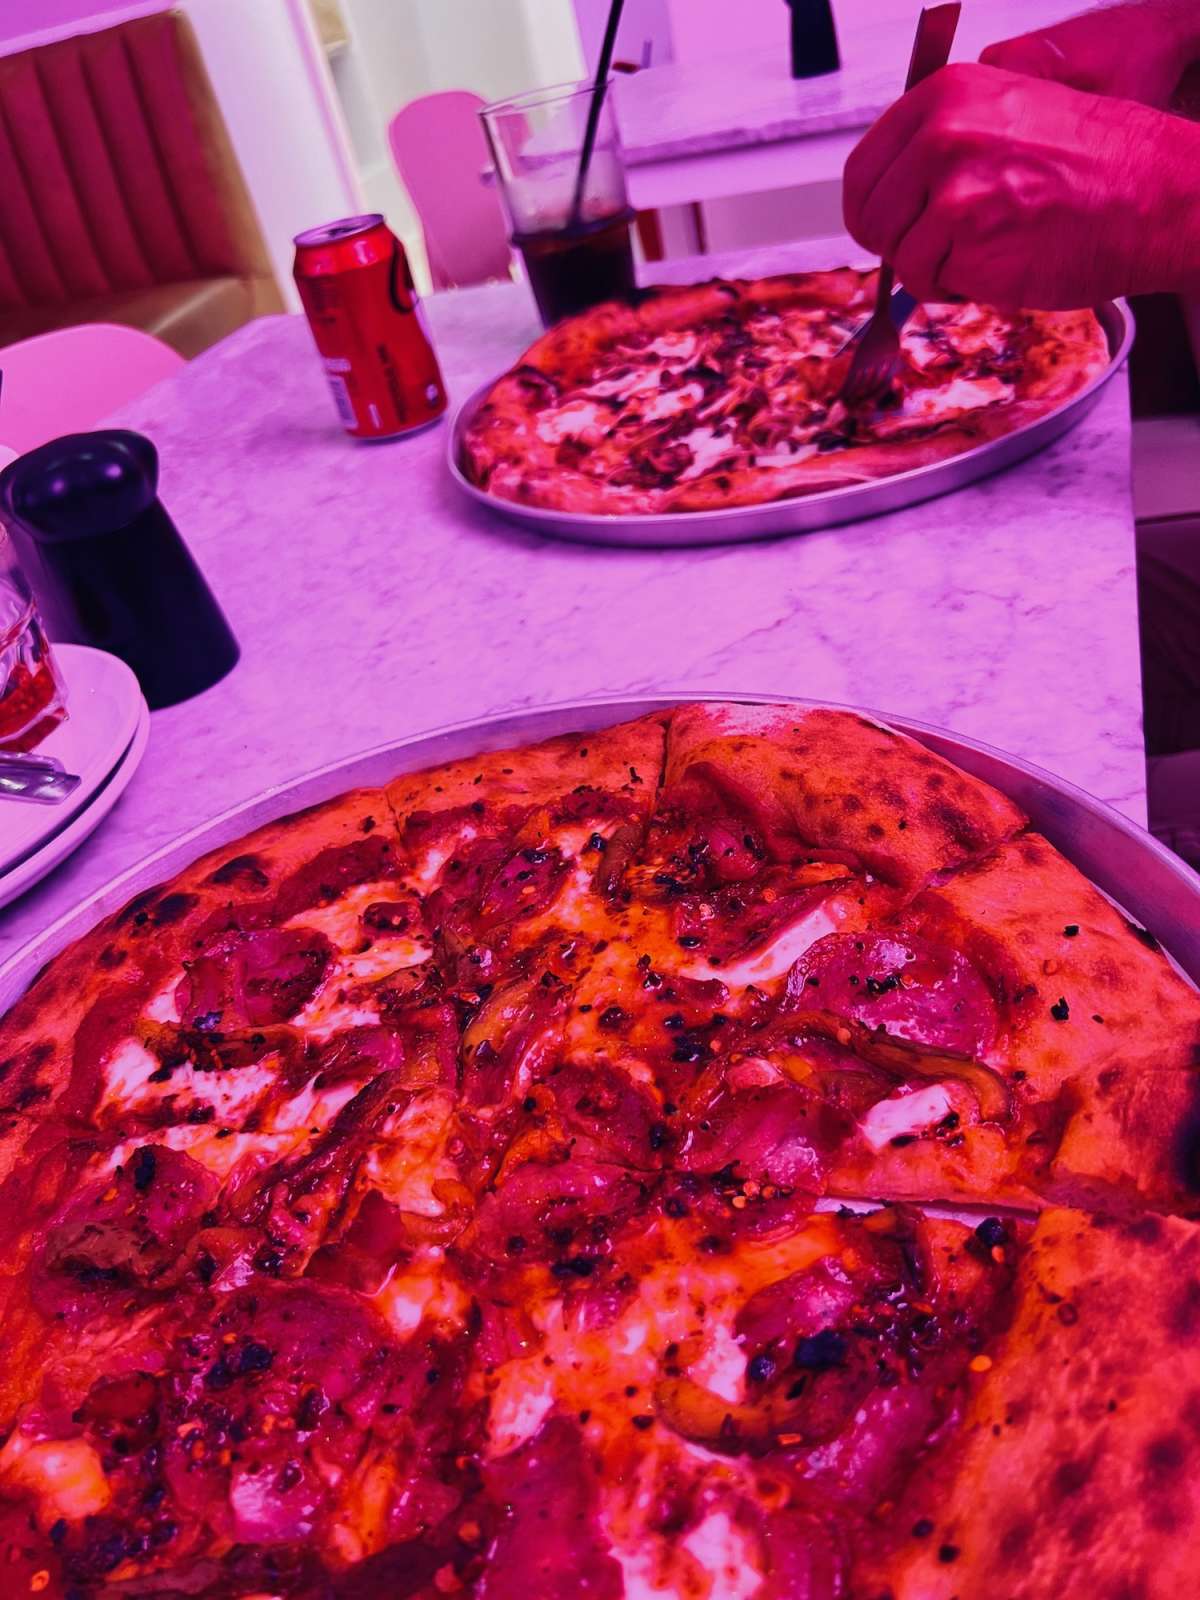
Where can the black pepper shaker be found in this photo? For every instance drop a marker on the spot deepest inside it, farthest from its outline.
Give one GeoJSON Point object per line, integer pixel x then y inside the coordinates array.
{"type": "Point", "coordinates": [107, 565]}
{"type": "Point", "coordinates": [814, 38]}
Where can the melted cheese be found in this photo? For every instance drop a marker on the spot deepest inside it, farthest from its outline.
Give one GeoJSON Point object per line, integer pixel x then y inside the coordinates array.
{"type": "Point", "coordinates": [681, 1300]}
{"type": "Point", "coordinates": [707, 449]}
{"type": "Point", "coordinates": [675, 348]}
{"type": "Point", "coordinates": [671, 402]}
{"type": "Point", "coordinates": [65, 1476]}
{"type": "Point", "coordinates": [231, 1093]}
{"type": "Point", "coordinates": [570, 421]}
{"type": "Point", "coordinates": [423, 1291]}
{"type": "Point", "coordinates": [639, 381]}
{"type": "Point", "coordinates": [714, 1561]}
{"type": "Point", "coordinates": [126, 1071]}
{"type": "Point", "coordinates": [312, 1108]}
{"type": "Point", "coordinates": [518, 1408]}
{"type": "Point", "coordinates": [405, 1166]}
{"type": "Point", "coordinates": [341, 922]}
{"type": "Point", "coordinates": [164, 1007]}
{"type": "Point", "coordinates": [960, 394]}
{"type": "Point", "coordinates": [722, 1365]}
{"type": "Point", "coordinates": [779, 956]}
{"type": "Point", "coordinates": [904, 1113]}
{"type": "Point", "coordinates": [723, 1551]}
{"type": "Point", "coordinates": [425, 874]}
{"type": "Point", "coordinates": [203, 1142]}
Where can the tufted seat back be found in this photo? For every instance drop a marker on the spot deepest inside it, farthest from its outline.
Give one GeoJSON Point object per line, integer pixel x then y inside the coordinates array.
{"type": "Point", "coordinates": [117, 178]}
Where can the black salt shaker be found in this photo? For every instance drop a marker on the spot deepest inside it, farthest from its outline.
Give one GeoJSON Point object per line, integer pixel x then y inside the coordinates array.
{"type": "Point", "coordinates": [107, 564]}
{"type": "Point", "coordinates": [814, 38]}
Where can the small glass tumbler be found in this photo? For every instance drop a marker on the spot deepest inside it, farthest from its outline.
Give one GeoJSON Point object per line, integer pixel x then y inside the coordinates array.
{"type": "Point", "coordinates": [32, 697]}
{"type": "Point", "coordinates": [576, 243]}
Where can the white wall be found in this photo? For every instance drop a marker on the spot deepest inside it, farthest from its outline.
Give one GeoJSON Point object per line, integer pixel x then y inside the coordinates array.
{"type": "Point", "coordinates": [400, 49]}
{"type": "Point", "coordinates": [642, 21]}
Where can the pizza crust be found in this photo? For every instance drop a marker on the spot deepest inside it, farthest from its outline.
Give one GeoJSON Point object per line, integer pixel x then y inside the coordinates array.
{"type": "Point", "coordinates": [1071, 1473]}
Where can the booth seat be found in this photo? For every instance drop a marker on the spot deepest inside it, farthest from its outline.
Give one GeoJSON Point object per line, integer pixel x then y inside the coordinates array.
{"type": "Point", "coordinates": [120, 196]}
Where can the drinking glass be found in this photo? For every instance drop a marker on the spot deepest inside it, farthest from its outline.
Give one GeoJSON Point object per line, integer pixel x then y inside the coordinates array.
{"type": "Point", "coordinates": [32, 697]}
{"type": "Point", "coordinates": [577, 247]}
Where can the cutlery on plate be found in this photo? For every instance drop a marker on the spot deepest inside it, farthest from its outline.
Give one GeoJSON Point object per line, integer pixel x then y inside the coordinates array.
{"type": "Point", "coordinates": [33, 777]}
{"type": "Point", "coordinates": [877, 354]}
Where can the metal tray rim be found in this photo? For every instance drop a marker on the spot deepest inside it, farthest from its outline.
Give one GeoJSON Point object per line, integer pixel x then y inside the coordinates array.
{"type": "Point", "coordinates": [1072, 804]}
{"type": "Point", "coordinates": [803, 513]}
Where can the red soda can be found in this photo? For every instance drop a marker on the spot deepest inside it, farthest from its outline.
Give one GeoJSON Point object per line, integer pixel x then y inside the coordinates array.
{"type": "Point", "coordinates": [354, 280]}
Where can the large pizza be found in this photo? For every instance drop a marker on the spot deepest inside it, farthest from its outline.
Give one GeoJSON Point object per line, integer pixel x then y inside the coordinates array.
{"type": "Point", "coordinates": [725, 1157]}
{"type": "Point", "coordinates": [727, 394]}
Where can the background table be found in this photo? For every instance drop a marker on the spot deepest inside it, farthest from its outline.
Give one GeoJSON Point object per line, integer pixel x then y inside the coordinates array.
{"type": "Point", "coordinates": [740, 123]}
{"type": "Point", "coordinates": [372, 601]}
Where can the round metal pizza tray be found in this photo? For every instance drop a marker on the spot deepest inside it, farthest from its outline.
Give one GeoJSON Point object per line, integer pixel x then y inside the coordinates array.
{"type": "Point", "coordinates": [807, 513]}
{"type": "Point", "coordinates": [1144, 878]}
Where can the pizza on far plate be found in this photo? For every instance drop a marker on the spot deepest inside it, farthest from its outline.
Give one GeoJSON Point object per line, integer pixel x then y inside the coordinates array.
{"type": "Point", "coordinates": [725, 1156]}
{"type": "Point", "coordinates": [727, 394]}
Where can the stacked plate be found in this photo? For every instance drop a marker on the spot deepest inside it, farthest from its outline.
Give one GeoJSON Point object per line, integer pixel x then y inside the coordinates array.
{"type": "Point", "coordinates": [102, 740]}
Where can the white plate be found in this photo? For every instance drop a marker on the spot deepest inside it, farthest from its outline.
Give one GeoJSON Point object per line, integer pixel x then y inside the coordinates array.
{"type": "Point", "coordinates": [102, 739]}
{"type": "Point", "coordinates": [104, 705]}
{"type": "Point", "coordinates": [76, 827]}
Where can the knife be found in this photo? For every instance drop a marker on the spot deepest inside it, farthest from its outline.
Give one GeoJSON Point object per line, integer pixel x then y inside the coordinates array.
{"type": "Point", "coordinates": [32, 777]}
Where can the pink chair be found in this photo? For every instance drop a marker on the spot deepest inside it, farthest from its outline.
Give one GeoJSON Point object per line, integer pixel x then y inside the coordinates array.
{"type": "Point", "coordinates": [68, 380]}
{"type": "Point", "coordinates": [441, 153]}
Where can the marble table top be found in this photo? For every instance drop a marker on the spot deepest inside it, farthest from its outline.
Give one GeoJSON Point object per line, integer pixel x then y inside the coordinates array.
{"type": "Point", "coordinates": [373, 602]}
{"type": "Point", "coordinates": [746, 98]}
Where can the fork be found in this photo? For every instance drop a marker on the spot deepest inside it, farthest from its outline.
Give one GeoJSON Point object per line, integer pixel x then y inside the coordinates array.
{"type": "Point", "coordinates": [877, 352]}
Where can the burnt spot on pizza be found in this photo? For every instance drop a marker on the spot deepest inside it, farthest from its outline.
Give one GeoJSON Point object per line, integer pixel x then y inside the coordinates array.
{"type": "Point", "coordinates": [1142, 935]}
{"type": "Point", "coordinates": [1183, 1311]}
{"type": "Point", "coordinates": [1189, 1411]}
{"type": "Point", "coordinates": [1014, 1542]}
{"type": "Point", "coordinates": [112, 957]}
{"type": "Point", "coordinates": [1146, 1230]}
{"type": "Point", "coordinates": [1070, 1477]}
{"type": "Point", "coordinates": [1165, 1460]}
{"type": "Point", "coordinates": [31, 1095]}
{"type": "Point", "coordinates": [143, 1167]}
{"type": "Point", "coordinates": [19, 1077]}
{"type": "Point", "coordinates": [27, 1062]}
{"type": "Point", "coordinates": [172, 908]}
{"type": "Point", "coordinates": [136, 911]}
{"type": "Point", "coordinates": [246, 871]}
{"type": "Point", "coordinates": [1185, 1145]}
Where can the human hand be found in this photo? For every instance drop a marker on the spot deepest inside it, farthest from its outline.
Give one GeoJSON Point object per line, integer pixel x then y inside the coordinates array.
{"type": "Point", "coordinates": [1135, 51]}
{"type": "Point", "coordinates": [1017, 191]}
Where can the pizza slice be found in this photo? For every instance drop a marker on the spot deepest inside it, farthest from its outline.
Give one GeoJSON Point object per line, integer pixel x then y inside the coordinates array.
{"type": "Point", "coordinates": [618, 1387]}
{"type": "Point", "coordinates": [992, 1042]}
{"type": "Point", "coordinates": [1069, 1471]}
{"type": "Point", "coordinates": [821, 779]}
{"type": "Point", "coordinates": [192, 1000]}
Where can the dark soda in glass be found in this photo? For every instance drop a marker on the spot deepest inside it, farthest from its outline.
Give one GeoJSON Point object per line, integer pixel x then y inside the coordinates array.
{"type": "Point", "coordinates": [571, 269]}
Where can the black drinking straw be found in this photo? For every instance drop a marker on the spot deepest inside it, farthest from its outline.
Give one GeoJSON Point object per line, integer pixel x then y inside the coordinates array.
{"type": "Point", "coordinates": [594, 109]}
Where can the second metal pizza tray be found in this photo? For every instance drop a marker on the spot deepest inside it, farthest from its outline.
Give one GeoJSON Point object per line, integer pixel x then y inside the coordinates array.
{"type": "Point", "coordinates": [806, 513]}
{"type": "Point", "coordinates": [1144, 878]}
